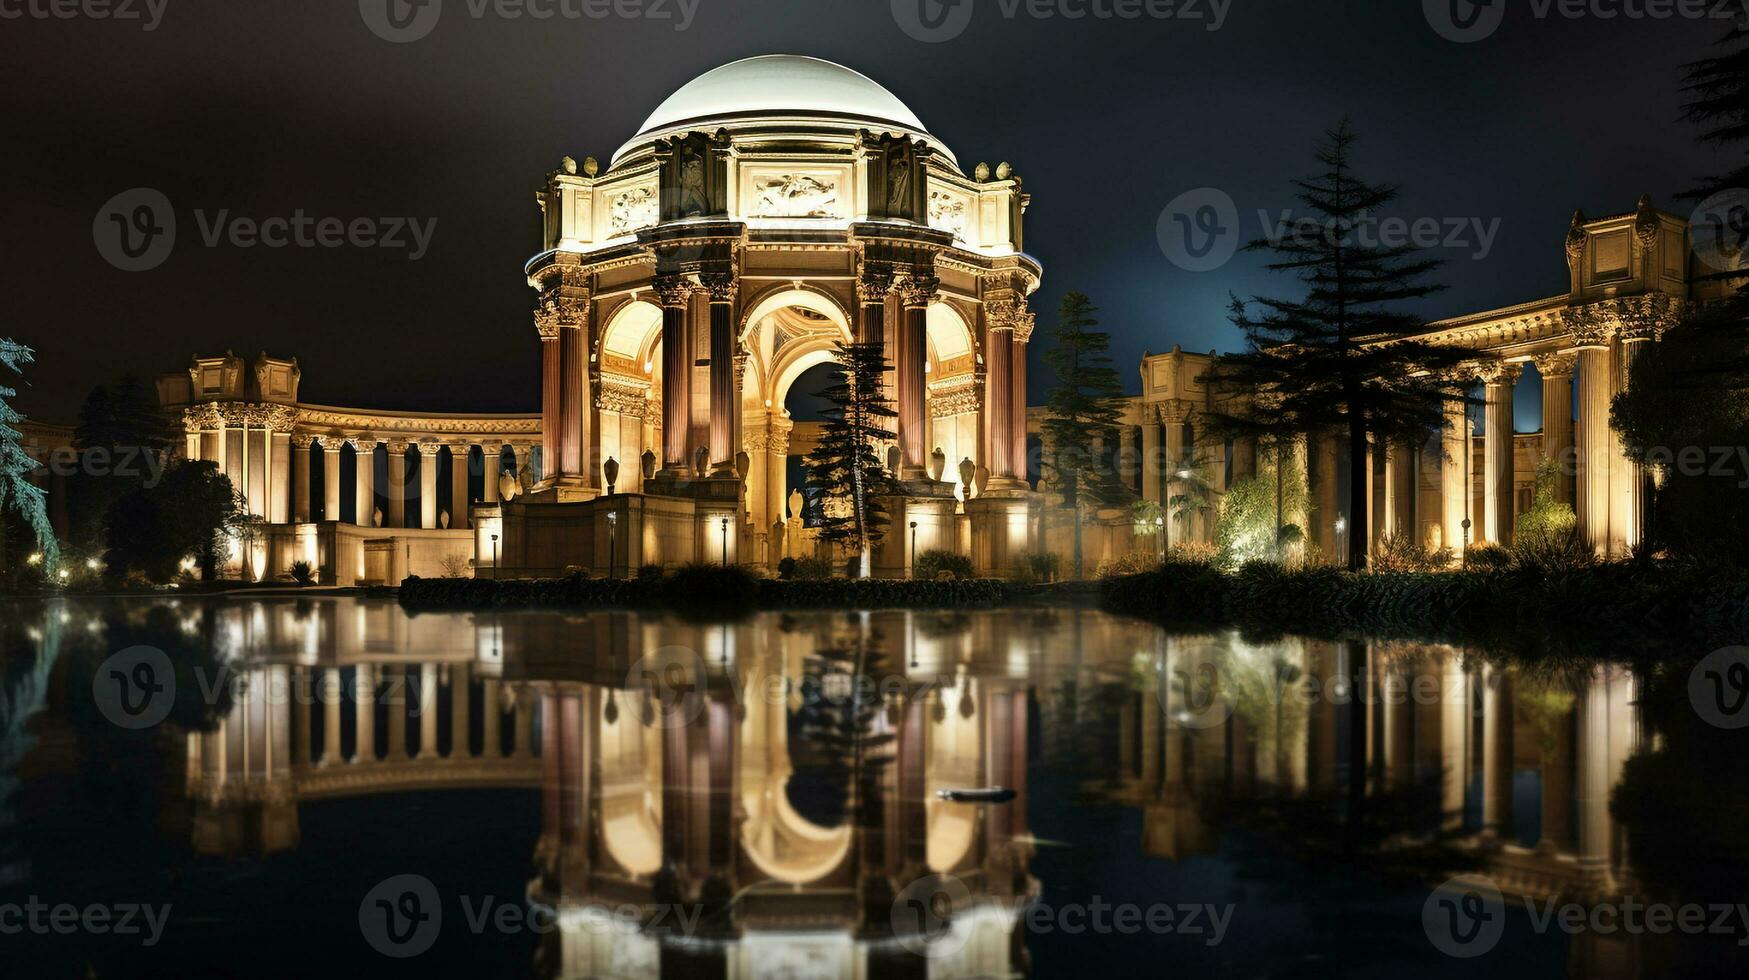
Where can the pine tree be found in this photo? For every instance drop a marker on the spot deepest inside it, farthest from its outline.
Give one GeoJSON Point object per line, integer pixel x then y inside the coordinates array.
{"type": "Point", "coordinates": [17, 493]}
{"type": "Point", "coordinates": [1717, 94]}
{"type": "Point", "coordinates": [1083, 408]}
{"type": "Point", "coordinates": [1343, 356]}
{"type": "Point", "coordinates": [845, 469]}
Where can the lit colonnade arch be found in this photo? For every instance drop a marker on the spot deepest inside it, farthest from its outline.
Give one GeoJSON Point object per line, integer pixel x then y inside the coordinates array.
{"type": "Point", "coordinates": [728, 246]}
{"type": "Point", "coordinates": [355, 492]}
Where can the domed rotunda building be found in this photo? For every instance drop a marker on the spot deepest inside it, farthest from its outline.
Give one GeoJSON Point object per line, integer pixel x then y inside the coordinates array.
{"type": "Point", "coordinates": [767, 211]}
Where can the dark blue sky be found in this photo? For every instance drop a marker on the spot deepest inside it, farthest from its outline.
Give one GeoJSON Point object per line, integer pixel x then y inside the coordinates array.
{"type": "Point", "coordinates": [274, 105]}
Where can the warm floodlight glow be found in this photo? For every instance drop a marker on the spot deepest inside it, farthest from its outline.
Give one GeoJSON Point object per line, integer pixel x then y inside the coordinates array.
{"type": "Point", "coordinates": [36, 558]}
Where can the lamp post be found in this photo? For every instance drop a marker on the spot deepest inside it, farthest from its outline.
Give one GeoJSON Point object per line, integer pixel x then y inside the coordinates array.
{"type": "Point", "coordinates": [612, 540]}
{"type": "Point", "coordinates": [1342, 540]}
{"type": "Point", "coordinates": [725, 542]}
{"type": "Point", "coordinates": [494, 556]}
{"type": "Point", "coordinates": [914, 548]}
{"type": "Point", "coordinates": [1160, 529]}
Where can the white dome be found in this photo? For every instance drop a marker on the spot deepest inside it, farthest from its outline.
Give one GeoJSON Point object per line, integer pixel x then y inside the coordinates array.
{"type": "Point", "coordinates": [778, 86]}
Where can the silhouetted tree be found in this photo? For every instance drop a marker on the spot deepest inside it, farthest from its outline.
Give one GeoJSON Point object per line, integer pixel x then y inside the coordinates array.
{"type": "Point", "coordinates": [191, 513]}
{"type": "Point", "coordinates": [1342, 356]}
{"type": "Point", "coordinates": [1083, 410]}
{"type": "Point", "coordinates": [845, 468]}
{"type": "Point", "coordinates": [122, 438]}
{"type": "Point", "coordinates": [1675, 413]}
{"type": "Point", "coordinates": [17, 494]}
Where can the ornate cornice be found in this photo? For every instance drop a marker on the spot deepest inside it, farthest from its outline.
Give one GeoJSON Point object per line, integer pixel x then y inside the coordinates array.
{"type": "Point", "coordinates": [956, 397]}
{"type": "Point", "coordinates": [240, 415]}
{"type": "Point", "coordinates": [354, 422]}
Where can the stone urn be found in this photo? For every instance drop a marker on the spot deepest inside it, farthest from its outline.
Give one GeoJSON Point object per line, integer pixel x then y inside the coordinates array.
{"type": "Point", "coordinates": [795, 503]}
{"type": "Point", "coordinates": [649, 463]}
{"type": "Point", "coordinates": [937, 464]}
{"type": "Point", "coordinates": [508, 486]}
{"type": "Point", "coordinates": [983, 479]}
{"type": "Point", "coordinates": [968, 473]}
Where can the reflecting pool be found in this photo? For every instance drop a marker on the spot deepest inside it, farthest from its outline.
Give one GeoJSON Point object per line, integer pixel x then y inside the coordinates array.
{"type": "Point", "coordinates": [289, 787]}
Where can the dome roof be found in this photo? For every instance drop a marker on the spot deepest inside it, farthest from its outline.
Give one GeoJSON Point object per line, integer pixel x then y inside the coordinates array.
{"type": "Point", "coordinates": [780, 86]}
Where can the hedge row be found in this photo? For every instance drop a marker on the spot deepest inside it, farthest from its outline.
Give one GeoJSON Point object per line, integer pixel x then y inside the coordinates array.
{"type": "Point", "coordinates": [1620, 609]}
{"type": "Point", "coordinates": [712, 589]}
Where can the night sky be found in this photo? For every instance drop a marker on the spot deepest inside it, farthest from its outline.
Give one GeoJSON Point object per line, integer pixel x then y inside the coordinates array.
{"type": "Point", "coordinates": [269, 106]}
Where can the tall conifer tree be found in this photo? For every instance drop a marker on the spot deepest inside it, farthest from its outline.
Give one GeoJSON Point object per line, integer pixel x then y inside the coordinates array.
{"type": "Point", "coordinates": [845, 468]}
{"type": "Point", "coordinates": [1084, 411]}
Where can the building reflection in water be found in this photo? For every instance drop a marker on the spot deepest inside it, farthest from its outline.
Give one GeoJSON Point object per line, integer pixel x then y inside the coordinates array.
{"type": "Point", "coordinates": [673, 770]}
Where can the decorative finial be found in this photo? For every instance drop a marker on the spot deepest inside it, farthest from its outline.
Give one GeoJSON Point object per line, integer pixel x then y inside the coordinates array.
{"type": "Point", "coordinates": [591, 166]}
{"type": "Point", "coordinates": [981, 173]}
{"type": "Point", "coordinates": [568, 165]}
{"type": "Point", "coordinates": [1004, 171]}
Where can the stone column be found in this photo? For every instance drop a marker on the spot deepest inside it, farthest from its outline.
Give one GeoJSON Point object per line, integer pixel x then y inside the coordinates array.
{"type": "Point", "coordinates": [1557, 374]}
{"type": "Point", "coordinates": [1591, 484]}
{"type": "Point", "coordinates": [1023, 325]}
{"type": "Point", "coordinates": [428, 484]}
{"type": "Point", "coordinates": [777, 471]}
{"type": "Point", "coordinates": [364, 452]}
{"type": "Point", "coordinates": [998, 380]}
{"type": "Point", "coordinates": [280, 478]}
{"type": "Point", "coordinates": [723, 289]}
{"type": "Point", "coordinates": [301, 478]}
{"type": "Point", "coordinates": [552, 386]}
{"type": "Point", "coordinates": [1498, 489]}
{"type": "Point", "coordinates": [1153, 464]}
{"type": "Point", "coordinates": [1454, 474]}
{"type": "Point", "coordinates": [491, 464]}
{"type": "Point", "coordinates": [873, 283]}
{"type": "Point", "coordinates": [397, 719]}
{"type": "Point", "coordinates": [331, 478]}
{"type": "Point", "coordinates": [673, 292]}
{"type": "Point", "coordinates": [1497, 705]}
{"type": "Point", "coordinates": [459, 464]}
{"type": "Point", "coordinates": [1324, 486]}
{"type": "Point", "coordinates": [1627, 479]}
{"type": "Point", "coordinates": [331, 690]}
{"type": "Point", "coordinates": [491, 732]}
{"type": "Point", "coordinates": [917, 291]}
{"type": "Point", "coordinates": [1396, 468]}
{"type": "Point", "coordinates": [397, 489]}
{"type": "Point", "coordinates": [577, 406]}
{"type": "Point", "coordinates": [459, 712]}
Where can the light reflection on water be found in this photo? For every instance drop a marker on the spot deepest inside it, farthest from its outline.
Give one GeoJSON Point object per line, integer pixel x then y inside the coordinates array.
{"type": "Point", "coordinates": [640, 795]}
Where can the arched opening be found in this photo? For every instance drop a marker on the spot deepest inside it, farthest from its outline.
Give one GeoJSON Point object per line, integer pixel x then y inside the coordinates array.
{"type": "Point", "coordinates": [630, 363]}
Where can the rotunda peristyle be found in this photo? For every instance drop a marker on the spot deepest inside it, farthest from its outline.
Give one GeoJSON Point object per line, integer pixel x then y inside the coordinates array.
{"type": "Point", "coordinates": [766, 212]}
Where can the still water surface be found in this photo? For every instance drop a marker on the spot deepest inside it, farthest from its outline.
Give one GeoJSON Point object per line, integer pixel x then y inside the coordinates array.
{"type": "Point", "coordinates": [294, 787]}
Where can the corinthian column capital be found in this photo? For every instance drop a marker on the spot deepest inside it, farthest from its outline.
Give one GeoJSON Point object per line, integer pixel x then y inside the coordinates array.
{"type": "Point", "coordinates": [1555, 364]}
{"type": "Point", "coordinates": [672, 291]}
{"type": "Point", "coordinates": [723, 287]}
{"type": "Point", "coordinates": [919, 290]}
{"type": "Point", "coordinates": [1499, 372]}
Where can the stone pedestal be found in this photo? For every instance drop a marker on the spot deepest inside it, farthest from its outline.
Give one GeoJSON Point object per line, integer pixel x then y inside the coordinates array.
{"type": "Point", "coordinates": [999, 533]}
{"type": "Point", "coordinates": [931, 507]}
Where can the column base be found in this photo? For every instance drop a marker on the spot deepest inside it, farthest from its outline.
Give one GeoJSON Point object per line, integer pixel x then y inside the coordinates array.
{"type": "Point", "coordinates": [1008, 486]}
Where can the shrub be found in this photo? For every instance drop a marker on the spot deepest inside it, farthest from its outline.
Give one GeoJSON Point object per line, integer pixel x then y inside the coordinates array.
{"type": "Point", "coordinates": [455, 566]}
{"type": "Point", "coordinates": [1037, 569]}
{"type": "Point", "coordinates": [786, 568]}
{"type": "Point", "coordinates": [1134, 563]}
{"type": "Point", "coordinates": [933, 564]}
{"type": "Point", "coordinates": [1547, 551]}
{"type": "Point", "coordinates": [813, 569]}
{"type": "Point", "coordinates": [649, 573]}
{"type": "Point", "coordinates": [1401, 553]}
{"type": "Point", "coordinates": [1487, 558]}
{"type": "Point", "coordinates": [302, 572]}
{"type": "Point", "coordinates": [712, 586]}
